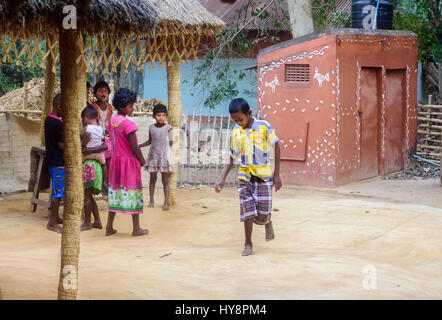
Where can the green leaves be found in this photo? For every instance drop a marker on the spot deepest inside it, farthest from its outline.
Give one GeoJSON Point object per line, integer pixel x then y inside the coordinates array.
{"type": "Point", "coordinates": [13, 76]}
{"type": "Point", "coordinates": [222, 91]}
{"type": "Point", "coordinates": [423, 18]}
{"type": "Point", "coordinates": [325, 14]}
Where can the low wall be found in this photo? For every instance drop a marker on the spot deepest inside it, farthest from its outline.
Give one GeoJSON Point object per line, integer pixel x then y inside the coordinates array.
{"type": "Point", "coordinates": [17, 136]}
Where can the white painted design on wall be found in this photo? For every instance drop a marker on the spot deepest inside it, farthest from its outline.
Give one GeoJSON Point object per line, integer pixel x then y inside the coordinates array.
{"type": "Point", "coordinates": [320, 77]}
{"type": "Point", "coordinates": [321, 155]}
{"type": "Point", "coordinates": [358, 106]}
{"type": "Point", "coordinates": [338, 109]}
{"type": "Point", "coordinates": [302, 55]}
{"type": "Point", "coordinates": [273, 84]}
{"type": "Point", "coordinates": [384, 84]}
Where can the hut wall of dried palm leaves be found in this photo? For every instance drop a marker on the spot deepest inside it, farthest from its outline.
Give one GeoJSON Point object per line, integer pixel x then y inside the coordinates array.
{"type": "Point", "coordinates": [113, 32]}
{"type": "Point", "coordinates": [28, 100]}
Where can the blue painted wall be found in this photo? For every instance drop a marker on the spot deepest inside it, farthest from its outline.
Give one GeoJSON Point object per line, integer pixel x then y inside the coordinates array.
{"type": "Point", "coordinates": [155, 86]}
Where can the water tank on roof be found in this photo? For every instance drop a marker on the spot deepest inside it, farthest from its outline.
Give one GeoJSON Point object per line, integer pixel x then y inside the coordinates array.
{"type": "Point", "coordinates": [363, 14]}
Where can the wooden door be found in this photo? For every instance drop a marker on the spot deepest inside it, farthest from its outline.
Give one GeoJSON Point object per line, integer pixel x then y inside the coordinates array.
{"type": "Point", "coordinates": [394, 120]}
{"type": "Point", "coordinates": [368, 114]}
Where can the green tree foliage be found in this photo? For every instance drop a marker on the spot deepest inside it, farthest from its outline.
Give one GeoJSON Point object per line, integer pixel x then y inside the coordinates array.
{"type": "Point", "coordinates": [13, 76]}
{"type": "Point", "coordinates": [423, 17]}
{"type": "Point", "coordinates": [325, 14]}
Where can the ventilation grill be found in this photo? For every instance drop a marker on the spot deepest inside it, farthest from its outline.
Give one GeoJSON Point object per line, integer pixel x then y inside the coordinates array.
{"type": "Point", "coordinates": [297, 73]}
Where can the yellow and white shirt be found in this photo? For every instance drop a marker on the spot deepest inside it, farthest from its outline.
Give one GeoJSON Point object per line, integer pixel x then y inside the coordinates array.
{"type": "Point", "coordinates": [253, 146]}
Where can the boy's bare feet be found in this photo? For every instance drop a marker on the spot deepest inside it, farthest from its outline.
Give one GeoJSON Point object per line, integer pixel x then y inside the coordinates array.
{"type": "Point", "coordinates": [270, 233]}
{"type": "Point", "coordinates": [140, 232]}
{"type": "Point", "coordinates": [166, 207]}
{"type": "Point", "coordinates": [86, 226]}
{"type": "Point", "coordinates": [54, 227]}
{"type": "Point", "coordinates": [151, 204]}
{"type": "Point", "coordinates": [59, 220]}
{"type": "Point", "coordinates": [248, 250]}
{"type": "Point", "coordinates": [110, 232]}
{"type": "Point", "coordinates": [97, 225]}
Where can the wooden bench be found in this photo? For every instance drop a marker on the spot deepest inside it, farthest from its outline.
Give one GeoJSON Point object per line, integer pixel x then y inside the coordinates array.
{"type": "Point", "coordinates": [39, 152]}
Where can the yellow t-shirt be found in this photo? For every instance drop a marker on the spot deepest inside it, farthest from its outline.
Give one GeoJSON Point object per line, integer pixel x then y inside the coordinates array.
{"type": "Point", "coordinates": [253, 147]}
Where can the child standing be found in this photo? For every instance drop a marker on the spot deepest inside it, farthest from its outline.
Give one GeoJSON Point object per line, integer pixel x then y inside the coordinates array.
{"type": "Point", "coordinates": [104, 110]}
{"type": "Point", "coordinates": [55, 161]}
{"type": "Point", "coordinates": [250, 141]}
{"type": "Point", "coordinates": [92, 169]}
{"type": "Point", "coordinates": [89, 117]}
{"type": "Point", "coordinates": [125, 186]}
{"type": "Point", "coordinates": [160, 158]}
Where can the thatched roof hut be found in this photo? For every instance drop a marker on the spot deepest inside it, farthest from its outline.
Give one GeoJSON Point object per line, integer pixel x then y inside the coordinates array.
{"type": "Point", "coordinates": [130, 17]}
{"type": "Point", "coordinates": [159, 29]}
{"type": "Point", "coordinates": [44, 16]}
{"type": "Point", "coordinates": [184, 17]}
{"type": "Point", "coordinates": [171, 29]}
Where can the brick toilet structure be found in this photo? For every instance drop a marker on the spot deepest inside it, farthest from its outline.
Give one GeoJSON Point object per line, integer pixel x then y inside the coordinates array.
{"type": "Point", "coordinates": [343, 103]}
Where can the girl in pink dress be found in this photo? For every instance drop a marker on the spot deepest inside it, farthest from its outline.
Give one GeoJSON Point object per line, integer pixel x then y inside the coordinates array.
{"type": "Point", "coordinates": [125, 187]}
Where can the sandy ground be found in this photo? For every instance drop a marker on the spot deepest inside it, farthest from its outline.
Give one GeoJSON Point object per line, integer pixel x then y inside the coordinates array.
{"type": "Point", "coordinates": [325, 240]}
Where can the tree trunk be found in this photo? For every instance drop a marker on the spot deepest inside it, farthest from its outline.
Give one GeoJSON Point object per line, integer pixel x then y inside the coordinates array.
{"type": "Point", "coordinates": [174, 109]}
{"type": "Point", "coordinates": [49, 88]}
{"type": "Point", "coordinates": [301, 21]}
{"type": "Point", "coordinates": [72, 82]}
{"type": "Point", "coordinates": [82, 95]}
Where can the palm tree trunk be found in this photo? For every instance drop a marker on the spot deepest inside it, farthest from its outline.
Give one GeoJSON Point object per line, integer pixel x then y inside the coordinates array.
{"type": "Point", "coordinates": [174, 102]}
{"type": "Point", "coordinates": [72, 82]}
{"type": "Point", "coordinates": [49, 88]}
{"type": "Point", "coordinates": [301, 21]}
{"type": "Point", "coordinates": [82, 95]}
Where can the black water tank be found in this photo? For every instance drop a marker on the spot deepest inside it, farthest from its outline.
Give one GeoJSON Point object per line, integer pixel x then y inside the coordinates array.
{"type": "Point", "coordinates": [364, 11]}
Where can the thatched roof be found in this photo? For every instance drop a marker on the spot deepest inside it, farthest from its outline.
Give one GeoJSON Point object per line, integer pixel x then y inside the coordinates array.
{"type": "Point", "coordinates": [160, 29]}
{"type": "Point", "coordinates": [117, 17]}
{"type": "Point", "coordinates": [185, 15]}
{"type": "Point", "coordinates": [33, 94]}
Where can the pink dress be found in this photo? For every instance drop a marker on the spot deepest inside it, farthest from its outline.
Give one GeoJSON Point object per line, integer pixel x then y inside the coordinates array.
{"type": "Point", "coordinates": [125, 187]}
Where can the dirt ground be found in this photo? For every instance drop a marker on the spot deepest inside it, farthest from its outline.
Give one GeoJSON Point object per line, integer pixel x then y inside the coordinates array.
{"type": "Point", "coordinates": [325, 240]}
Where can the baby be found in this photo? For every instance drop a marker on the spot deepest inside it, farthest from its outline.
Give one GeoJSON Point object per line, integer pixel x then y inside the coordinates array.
{"type": "Point", "coordinates": [89, 117]}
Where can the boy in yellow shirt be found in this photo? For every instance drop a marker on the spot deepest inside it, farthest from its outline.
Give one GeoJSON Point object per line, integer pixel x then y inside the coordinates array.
{"type": "Point", "coordinates": [251, 139]}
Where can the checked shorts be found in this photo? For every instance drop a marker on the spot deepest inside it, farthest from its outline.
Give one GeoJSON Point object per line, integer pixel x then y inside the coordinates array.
{"type": "Point", "coordinates": [255, 200]}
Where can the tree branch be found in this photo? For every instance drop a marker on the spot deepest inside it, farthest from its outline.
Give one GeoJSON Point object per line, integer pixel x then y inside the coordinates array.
{"type": "Point", "coordinates": [324, 5]}
{"type": "Point", "coordinates": [227, 42]}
